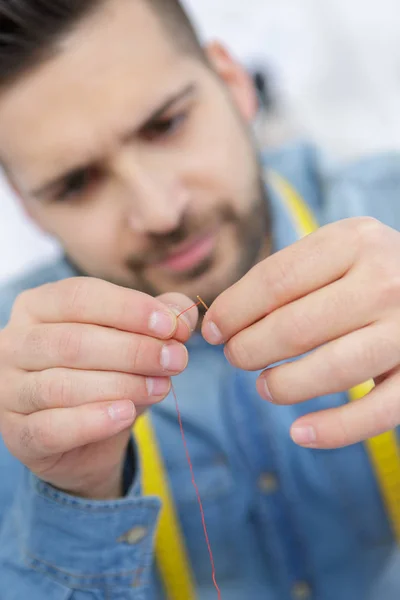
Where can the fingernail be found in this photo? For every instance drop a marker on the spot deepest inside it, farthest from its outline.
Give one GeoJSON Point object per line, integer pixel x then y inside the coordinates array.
{"type": "Point", "coordinates": [124, 410]}
{"type": "Point", "coordinates": [265, 391]}
{"type": "Point", "coordinates": [162, 323]}
{"type": "Point", "coordinates": [174, 357]}
{"type": "Point", "coordinates": [182, 317]}
{"type": "Point", "coordinates": [157, 386]}
{"type": "Point", "coordinates": [212, 334]}
{"type": "Point", "coordinates": [304, 436]}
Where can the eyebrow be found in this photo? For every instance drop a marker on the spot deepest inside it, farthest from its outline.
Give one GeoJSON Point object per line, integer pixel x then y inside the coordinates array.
{"type": "Point", "coordinates": [187, 91]}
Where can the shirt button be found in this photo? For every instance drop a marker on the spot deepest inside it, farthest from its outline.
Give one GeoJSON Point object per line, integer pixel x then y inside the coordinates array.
{"type": "Point", "coordinates": [268, 483]}
{"type": "Point", "coordinates": [301, 591]}
{"type": "Point", "coordinates": [134, 535]}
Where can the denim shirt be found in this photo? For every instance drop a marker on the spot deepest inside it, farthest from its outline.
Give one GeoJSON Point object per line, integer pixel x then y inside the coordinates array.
{"type": "Point", "coordinates": [285, 523]}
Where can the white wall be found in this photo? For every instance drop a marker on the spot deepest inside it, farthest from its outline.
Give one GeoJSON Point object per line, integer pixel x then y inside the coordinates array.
{"type": "Point", "coordinates": [337, 62]}
{"type": "Point", "coordinates": [336, 65]}
{"type": "Point", "coordinates": [21, 244]}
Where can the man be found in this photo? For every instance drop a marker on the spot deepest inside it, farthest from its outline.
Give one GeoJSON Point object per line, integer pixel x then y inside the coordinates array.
{"type": "Point", "coordinates": [130, 144]}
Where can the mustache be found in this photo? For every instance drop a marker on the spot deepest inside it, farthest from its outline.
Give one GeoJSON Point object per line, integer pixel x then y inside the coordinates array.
{"type": "Point", "coordinates": [164, 245]}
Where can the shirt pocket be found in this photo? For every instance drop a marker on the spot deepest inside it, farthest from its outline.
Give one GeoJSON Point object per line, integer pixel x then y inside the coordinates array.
{"type": "Point", "coordinates": [223, 511]}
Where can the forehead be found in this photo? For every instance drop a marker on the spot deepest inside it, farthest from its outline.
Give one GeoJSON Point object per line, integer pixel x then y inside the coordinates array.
{"type": "Point", "coordinates": [117, 63]}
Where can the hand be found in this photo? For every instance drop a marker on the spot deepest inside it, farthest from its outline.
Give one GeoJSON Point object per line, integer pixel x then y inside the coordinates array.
{"type": "Point", "coordinates": [79, 360]}
{"type": "Point", "coordinates": [336, 293]}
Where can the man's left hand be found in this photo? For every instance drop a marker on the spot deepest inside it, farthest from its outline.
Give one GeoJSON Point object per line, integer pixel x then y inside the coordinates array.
{"type": "Point", "coordinates": [335, 297]}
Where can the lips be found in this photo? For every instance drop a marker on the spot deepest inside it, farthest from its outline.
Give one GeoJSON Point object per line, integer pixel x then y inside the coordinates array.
{"type": "Point", "coordinates": [189, 255]}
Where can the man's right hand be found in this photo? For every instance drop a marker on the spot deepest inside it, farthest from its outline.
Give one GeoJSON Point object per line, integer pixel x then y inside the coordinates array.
{"type": "Point", "coordinates": [79, 360]}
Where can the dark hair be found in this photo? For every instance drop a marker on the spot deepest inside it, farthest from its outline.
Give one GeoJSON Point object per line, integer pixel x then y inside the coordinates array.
{"type": "Point", "coordinates": [31, 29]}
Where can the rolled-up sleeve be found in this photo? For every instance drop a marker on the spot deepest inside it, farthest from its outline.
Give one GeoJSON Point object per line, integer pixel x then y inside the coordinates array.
{"type": "Point", "coordinates": [56, 546]}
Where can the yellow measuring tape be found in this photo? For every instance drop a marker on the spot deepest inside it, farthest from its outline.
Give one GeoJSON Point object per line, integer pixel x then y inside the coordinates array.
{"type": "Point", "coordinates": [171, 554]}
{"type": "Point", "coordinates": [383, 449]}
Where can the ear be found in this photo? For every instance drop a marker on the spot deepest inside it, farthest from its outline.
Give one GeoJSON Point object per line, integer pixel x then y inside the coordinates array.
{"type": "Point", "coordinates": [235, 77]}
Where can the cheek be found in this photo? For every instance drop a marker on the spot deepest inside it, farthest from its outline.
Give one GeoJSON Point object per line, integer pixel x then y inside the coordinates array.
{"type": "Point", "coordinates": [92, 243]}
{"type": "Point", "coordinates": [219, 173]}
{"type": "Point", "coordinates": [84, 234]}
{"type": "Point", "coordinates": [225, 158]}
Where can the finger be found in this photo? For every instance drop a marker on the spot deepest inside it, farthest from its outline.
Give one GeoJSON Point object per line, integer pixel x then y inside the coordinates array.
{"type": "Point", "coordinates": [302, 325]}
{"type": "Point", "coordinates": [336, 367]}
{"type": "Point", "coordinates": [187, 321]}
{"type": "Point", "coordinates": [68, 388]}
{"type": "Point", "coordinates": [311, 263]}
{"type": "Point", "coordinates": [52, 432]}
{"type": "Point", "coordinates": [93, 301]}
{"type": "Point", "coordinates": [376, 413]}
{"type": "Point", "coordinates": [89, 347]}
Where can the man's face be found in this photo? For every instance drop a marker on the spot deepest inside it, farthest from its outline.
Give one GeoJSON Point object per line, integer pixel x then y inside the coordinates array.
{"type": "Point", "coordinates": [136, 156]}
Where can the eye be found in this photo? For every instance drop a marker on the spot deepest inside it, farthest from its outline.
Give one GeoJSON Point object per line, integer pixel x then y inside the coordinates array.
{"type": "Point", "coordinates": [77, 184]}
{"type": "Point", "coordinates": [164, 127]}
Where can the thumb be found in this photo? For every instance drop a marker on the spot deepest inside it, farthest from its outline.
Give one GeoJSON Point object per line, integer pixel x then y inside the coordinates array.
{"type": "Point", "coordinates": [187, 322]}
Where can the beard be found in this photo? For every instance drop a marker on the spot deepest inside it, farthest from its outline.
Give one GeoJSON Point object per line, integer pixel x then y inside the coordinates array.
{"type": "Point", "coordinates": [252, 238]}
{"type": "Point", "coordinates": [252, 231]}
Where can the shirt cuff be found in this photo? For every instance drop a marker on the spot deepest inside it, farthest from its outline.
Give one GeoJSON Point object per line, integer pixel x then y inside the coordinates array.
{"type": "Point", "coordinates": [88, 544]}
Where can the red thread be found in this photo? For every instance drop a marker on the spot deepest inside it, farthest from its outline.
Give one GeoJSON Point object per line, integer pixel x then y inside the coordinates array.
{"type": "Point", "coordinates": [203, 519]}
{"type": "Point", "coordinates": [187, 310]}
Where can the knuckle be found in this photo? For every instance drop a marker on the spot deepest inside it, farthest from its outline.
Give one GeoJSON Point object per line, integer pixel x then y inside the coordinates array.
{"type": "Point", "coordinates": [42, 437]}
{"type": "Point", "coordinates": [127, 301]}
{"type": "Point", "coordinates": [342, 429]}
{"type": "Point", "coordinates": [297, 332]}
{"type": "Point", "coordinates": [125, 387]}
{"type": "Point", "coordinates": [387, 289]}
{"type": "Point", "coordinates": [76, 297]}
{"type": "Point", "coordinates": [57, 390]}
{"type": "Point", "coordinates": [385, 416]}
{"type": "Point", "coordinates": [36, 339]}
{"type": "Point", "coordinates": [368, 230]}
{"type": "Point", "coordinates": [340, 368]}
{"type": "Point", "coordinates": [68, 344]}
{"type": "Point", "coordinates": [21, 302]}
{"type": "Point", "coordinates": [279, 278]}
{"type": "Point", "coordinates": [274, 278]}
{"type": "Point", "coordinates": [26, 437]}
{"type": "Point", "coordinates": [137, 349]}
{"type": "Point", "coordinates": [30, 394]}
{"type": "Point", "coordinates": [240, 354]}
{"type": "Point", "coordinates": [385, 350]}
{"type": "Point", "coordinates": [393, 288]}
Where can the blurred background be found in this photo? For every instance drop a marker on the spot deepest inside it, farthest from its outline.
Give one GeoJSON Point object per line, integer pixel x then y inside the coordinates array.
{"type": "Point", "coordinates": [327, 70]}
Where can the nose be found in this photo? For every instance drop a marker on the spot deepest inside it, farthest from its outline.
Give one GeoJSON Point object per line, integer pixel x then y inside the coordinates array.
{"type": "Point", "coordinates": [156, 201]}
